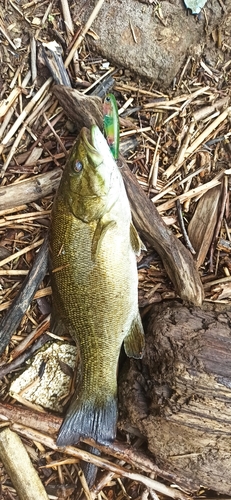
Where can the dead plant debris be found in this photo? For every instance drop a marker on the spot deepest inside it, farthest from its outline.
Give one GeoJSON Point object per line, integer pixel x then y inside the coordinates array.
{"type": "Point", "coordinates": [178, 146]}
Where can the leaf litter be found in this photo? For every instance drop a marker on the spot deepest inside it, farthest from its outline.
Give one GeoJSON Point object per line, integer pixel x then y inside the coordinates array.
{"type": "Point", "coordinates": [177, 144]}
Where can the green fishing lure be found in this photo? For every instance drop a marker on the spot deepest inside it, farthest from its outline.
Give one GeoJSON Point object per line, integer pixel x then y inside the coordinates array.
{"type": "Point", "coordinates": [111, 124]}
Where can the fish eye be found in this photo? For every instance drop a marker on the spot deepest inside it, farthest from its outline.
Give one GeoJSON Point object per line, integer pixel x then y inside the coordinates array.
{"type": "Point", "coordinates": [78, 166]}
{"type": "Point", "coordinates": [107, 99]}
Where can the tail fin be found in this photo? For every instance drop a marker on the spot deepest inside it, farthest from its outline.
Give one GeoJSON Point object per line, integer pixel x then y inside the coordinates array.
{"type": "Point", "coordinates": [89, 469]}
{"type": "Point", "coordinates": [89, 419]}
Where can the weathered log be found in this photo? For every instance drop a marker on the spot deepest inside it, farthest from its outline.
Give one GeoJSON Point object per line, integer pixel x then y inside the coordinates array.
{"type": "Point", "coordinates": [74, 103]}
{"type": "Point", "coordinates": [29, 190]}
{"type": "Point", "coordinates": [179, 395]}
{"type": "Point", "coordinates": [176, 258]}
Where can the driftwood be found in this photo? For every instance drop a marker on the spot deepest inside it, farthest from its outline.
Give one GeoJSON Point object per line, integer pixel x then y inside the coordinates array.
{"type": "Point", "coordinates": [50, 424]}
{"type": "Point", "coordinates": [179, 395]}
{"type": "Point", "coordinates": [80, 454]}
{"type": "Point", "coordinates": [14, 315]}
{"type": "Point", "coordinates": [74, 103]}
{"type": "Point", "coordinates": [29, 190]}
{"type": "Point", "coordinates": [18, 465]}
{"type": "Point", "coordinates": [176, 258]}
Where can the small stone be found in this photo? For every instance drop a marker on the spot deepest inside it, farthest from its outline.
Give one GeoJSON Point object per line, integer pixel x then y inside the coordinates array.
{"type": "Point", "coordinates": [36, 21]}
{"type": "Point", "coordinates": [17, 42]}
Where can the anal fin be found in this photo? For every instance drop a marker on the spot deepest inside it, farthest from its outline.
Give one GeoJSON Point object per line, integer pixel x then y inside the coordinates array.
{"type": "Point", "coordinates": [134, 342]}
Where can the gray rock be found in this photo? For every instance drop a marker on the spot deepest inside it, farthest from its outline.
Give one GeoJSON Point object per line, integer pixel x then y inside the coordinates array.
{"type": "Point", "coordinates": [158, 48]}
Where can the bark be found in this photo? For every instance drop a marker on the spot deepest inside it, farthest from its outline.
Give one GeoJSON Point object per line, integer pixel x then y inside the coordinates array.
{"type": "Point", "coordinates": [202, 225]}
{"type": "Point", "coordinates": [179, 395]}
{"type": "Point", "coordinates": [82, 114]}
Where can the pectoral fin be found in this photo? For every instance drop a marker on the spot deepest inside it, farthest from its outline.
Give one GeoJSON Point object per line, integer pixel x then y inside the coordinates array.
{"type": "Point", "coordinates": [134, 342]}
{"type": "Point", "coordinates": [99, 234]}
{"type": "Point", "coordinates": [136, 242]}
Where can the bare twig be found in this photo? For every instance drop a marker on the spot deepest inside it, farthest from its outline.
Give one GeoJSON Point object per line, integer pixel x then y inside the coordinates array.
{"type": "Point", "coordinates": [183, 229]}
{"type": "Point", "coordinates": [6, 34]}
{"type": "Point", "coordinates": [182, 153]}
{"type": "Point", "coordinates": [6, 104]}
{"type": "Point", "coordinates": [219, 222]}
{"type": "Point", "coordinates": [184, 97]}
{"type": "Point", "coordinates": [18, 362]}
{"type": "Point", "coordinates": [22, 130]}
{"type": "Point", "coordinates": [55, 133]}
{"type": "Point", "coordinates": [33, 59]}
{"type": "Point", "coordinates": [190, 194]}
{"type": "Point", "coordinates": [50, 424]}
{"type": "Point", "coordinates": [21, 252]}
{"type": "Point", "coordinates": [206, 133]}
{"type": "Point", "coordinates": [29, 339]}
{"type": "Point", "coordinates": [67, 19]}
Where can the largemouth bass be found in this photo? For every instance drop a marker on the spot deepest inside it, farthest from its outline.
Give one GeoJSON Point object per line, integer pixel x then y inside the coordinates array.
{"type": "Point", "coordinates": [94, 282]}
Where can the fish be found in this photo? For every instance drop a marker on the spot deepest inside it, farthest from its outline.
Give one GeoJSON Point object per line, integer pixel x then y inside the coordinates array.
{"type": "Point", "coordinates": [92, 252]}
{"type": "Point", "coordinates": [111, 124]}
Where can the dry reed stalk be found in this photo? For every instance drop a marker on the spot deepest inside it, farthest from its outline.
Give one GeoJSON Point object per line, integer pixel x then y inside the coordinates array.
{"type": "Point", "coordinates": [22, 130]}
{"type": "Point", "coordinates": [83, 32]}
{"type": "Point", "coordinates": [206, 133]}
{"type": "Point", "coordinates": [172, 102]}
{"type": "Point", "coordinates": [189, 194]}
{"type": "Point", "coordinates": [6, 34]}
{"type": "Point", "coordinates": [24, 114]}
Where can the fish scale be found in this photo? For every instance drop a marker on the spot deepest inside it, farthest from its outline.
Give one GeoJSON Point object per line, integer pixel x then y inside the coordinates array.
{"type": "Point", "coordinates": [94, 283]}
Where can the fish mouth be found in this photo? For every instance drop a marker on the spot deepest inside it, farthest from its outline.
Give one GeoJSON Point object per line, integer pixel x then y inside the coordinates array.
{"type": "Point", "coordinates": [90, 144]}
